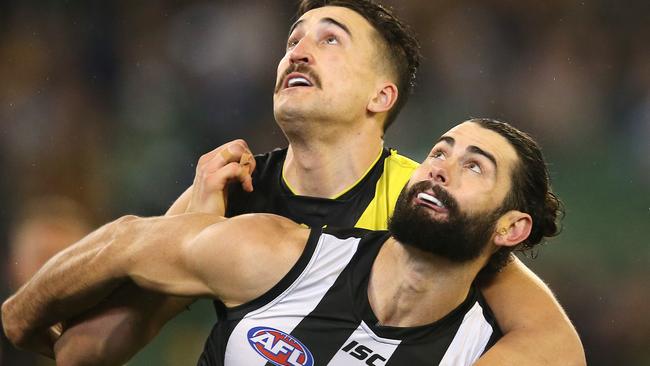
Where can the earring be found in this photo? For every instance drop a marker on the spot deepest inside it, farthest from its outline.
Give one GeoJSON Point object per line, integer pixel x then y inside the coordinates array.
{"type": "Point", "coordinates": [502, 231]}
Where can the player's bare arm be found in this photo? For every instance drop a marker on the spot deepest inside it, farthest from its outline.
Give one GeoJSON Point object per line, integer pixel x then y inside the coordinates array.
{"type": "Point", "coordinates": [119, 327]}
{"type": "Point", "coordinates": [536, 329]}
{"type": "Point", "coordinates": [23, 320]}
{"type": "Point", "coordinates": [196, 261]}
{"type": "Point", "coordinates": [115, 330]}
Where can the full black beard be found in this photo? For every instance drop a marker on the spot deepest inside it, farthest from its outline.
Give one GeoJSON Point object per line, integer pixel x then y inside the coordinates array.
{"type": "Point", "coordinates": [461, 238]}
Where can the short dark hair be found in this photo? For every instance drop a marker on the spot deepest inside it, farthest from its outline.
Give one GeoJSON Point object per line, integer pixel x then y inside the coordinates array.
{"type": "Point", "coordinates": [401, 47]}
{"type": "Point", "coordinates": [530, 191]}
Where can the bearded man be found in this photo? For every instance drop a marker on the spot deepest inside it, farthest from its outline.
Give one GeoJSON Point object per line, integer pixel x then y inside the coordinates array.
{"type": "Point", "coordinates": [290, 295]}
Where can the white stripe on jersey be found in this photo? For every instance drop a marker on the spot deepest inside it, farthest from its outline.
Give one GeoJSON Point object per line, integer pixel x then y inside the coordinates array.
{"type": "Point", "coordinates": [470, 339]}
{"type": "Point", "coordinates": [330, 257]}
{"type": "Point", "coordinates": [376, 352]}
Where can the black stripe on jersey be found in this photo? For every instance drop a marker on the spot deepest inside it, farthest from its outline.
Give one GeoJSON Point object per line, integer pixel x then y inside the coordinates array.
{"type": "Point", "coordinates": [229, 317]}
{"type": "Point", "coordinates": [333, 312]}
{"type": "Point", "coordinates": [438, 336]}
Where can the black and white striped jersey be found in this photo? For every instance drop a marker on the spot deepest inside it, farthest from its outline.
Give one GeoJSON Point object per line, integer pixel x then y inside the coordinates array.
{"type": "Point", "coordinates": [319, 314]}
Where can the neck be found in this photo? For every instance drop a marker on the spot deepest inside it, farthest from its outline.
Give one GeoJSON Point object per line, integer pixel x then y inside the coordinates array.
{"type": "Point", "coordinates": [409, 287]}
{"type": "Point", "coordinates": [324, 165]}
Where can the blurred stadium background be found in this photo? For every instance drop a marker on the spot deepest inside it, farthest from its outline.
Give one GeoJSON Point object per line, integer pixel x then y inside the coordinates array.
{"type": "Point", "coordinates": [110, 103]}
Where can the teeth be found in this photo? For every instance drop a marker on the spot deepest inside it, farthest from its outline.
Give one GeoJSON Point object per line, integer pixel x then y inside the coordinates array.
{"type": "Point", "coordinates": [298, 81]}
{"type": "Point", "coordinates": [429, 198]}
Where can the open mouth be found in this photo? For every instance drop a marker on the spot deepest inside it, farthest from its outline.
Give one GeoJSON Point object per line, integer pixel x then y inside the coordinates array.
{"type": "Point", "coordinates": [296, 80]}
{"type": "Point", "coordinates": [432, 202]}
{"type": "Point", "coordinates": [430, 199]}
{"type": "Point", "coordinates": [298, 75]}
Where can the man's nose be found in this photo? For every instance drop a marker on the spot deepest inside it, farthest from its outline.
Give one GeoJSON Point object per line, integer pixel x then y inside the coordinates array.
{"type": "Point", "coordinates": [438, 173]}
{"type": "Point", "coordinates": [301, 52]}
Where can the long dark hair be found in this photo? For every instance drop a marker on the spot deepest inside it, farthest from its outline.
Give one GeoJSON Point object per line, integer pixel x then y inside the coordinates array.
{"type": "Point", "coordinates": [530, 193]}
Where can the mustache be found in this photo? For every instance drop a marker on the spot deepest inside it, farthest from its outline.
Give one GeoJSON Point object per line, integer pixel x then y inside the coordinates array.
{"type": "Point", "coordinates": [300, 68]}
{"type": "Point", "coordinates": [445, 197]}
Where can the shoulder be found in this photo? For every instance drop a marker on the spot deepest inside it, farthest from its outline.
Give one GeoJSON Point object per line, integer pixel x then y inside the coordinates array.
{"type": "Point", "coordinates": [397, 161]}
{"type": "Point", "coordinates": [263, 224]}
{"type": "Point", "coordinates": [346, 233]}
{"type": "Point", "coordinates": [397, 171]}
{"type": "Point", "coordinates": [268, 166]}
{"type": "Point", "coordinates": [258, 231]}
{"type": "Point", "coordinates": [246, 255]}
{"type": "Point", "coordinates": [272, 157]}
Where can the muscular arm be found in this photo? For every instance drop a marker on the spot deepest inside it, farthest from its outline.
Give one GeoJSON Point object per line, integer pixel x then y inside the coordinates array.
{"type": "Point", "coordinates": [536, 329]}
{"type": "Point", "coordinates": [201, 264]}
{"type": "Point", "coordinates": [118, 328]}
{"type": "Point", "coordinates": [113, 331]}
{"type": "Point", "coordinates": [24, 318]}
{"type": "Point", "coordinates": [196, 261]}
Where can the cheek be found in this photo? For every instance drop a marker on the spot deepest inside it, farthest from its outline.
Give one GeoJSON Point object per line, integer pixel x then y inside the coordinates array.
{"type": "Point", "coordinates": [472, 205]}
{"type": "Point", "coordinates": [282, 65]}
{"type": "Point", "coordinates": [498, 190]}
{"type": "Point", "coordinates": [339, 67]}
{"type": "Point", "coordinates": [475, 196]}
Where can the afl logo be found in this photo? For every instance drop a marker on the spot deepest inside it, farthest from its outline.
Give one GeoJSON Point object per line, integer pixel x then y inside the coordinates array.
{"type": "Point", "coordinates": [279, 348]}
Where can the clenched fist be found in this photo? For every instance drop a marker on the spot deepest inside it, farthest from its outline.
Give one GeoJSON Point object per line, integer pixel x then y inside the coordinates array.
{"type": "Point", "coordinates": [228, 163]}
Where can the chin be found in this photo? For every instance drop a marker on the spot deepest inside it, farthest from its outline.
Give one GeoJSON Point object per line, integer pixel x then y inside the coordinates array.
{"type": "Point", "coordinates": [290, 114]}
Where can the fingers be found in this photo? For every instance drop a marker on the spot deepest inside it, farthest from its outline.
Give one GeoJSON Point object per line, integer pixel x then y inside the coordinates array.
{"type": "Point", "coordinates": [234, 151]}
{"type": "Point", "coordinates": [247, 164]}
{"type": "Point", "coordinates": [228, 163]}
{"type": "Point", "coordinates": [209, 196]}
{"type": "Point", "coordinates": [232, 172]}
{"type": "Point", "coordinates": [239, 142]}
{"type": "Point", "coordinates": [224, 154]}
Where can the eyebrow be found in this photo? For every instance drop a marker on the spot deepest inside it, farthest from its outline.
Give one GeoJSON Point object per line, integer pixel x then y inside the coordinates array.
{"type": "Point", "coordinates": [471, 148]}
{"type": "Point", "coordinates": [326, 20]}
{"type": "Point", "coordinates": [447, 139]}
{"type": "Point", "coordinates": [478, 150]}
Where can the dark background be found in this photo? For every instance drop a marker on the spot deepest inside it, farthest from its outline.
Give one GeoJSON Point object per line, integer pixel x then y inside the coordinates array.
{"type": "Point", "coordinates": [111, 104]}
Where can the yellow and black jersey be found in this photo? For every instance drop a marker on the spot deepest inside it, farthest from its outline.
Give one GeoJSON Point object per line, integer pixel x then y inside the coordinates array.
{"type": "Point", "coordinates": [367, 204]}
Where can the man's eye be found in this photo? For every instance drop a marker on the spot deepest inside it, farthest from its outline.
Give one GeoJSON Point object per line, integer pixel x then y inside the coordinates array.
{"type": "Point", "coordinates": [292, 43]}
{"type": "Point", "coordinates": [331, 40]}
{"type": "Point", "coordinates": [474, 167]}
{"type": "Point", "coordinates": [438, 155]}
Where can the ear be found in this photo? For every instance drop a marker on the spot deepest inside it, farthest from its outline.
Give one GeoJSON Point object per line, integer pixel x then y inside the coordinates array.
{"type": "Point", "coordinates": [384, 99]}
{"type": "Point", "coordinates": [513, 228]}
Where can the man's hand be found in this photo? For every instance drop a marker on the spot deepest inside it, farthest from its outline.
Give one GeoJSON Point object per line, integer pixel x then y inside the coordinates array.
{"type": "Point", "coordinates": [112, 332]}
{"type": "Point", "coordinates": [41, 342]}
{"type": "Point", "coordinates": [231, 162]}
{"type": "Point", "coordinates": [131, 317]}
{"type": "Point", "coordinates": [58, 291]}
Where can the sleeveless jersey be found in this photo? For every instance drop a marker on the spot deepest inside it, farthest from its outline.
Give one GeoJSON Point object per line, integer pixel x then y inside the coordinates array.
{"type": "Point", "coordinates": [319, 314]}
{"type": "Point", "coordinates": [367, 204]}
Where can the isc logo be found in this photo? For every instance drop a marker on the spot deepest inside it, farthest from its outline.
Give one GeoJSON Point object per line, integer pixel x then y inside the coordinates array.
{"type": "Point", "coordinates": [361, 352]}
{"type": "Point", "coordinates": [279, 347]}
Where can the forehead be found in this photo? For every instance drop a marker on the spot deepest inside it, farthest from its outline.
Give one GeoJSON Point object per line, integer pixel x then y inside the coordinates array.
{"type": "Point", "coordinates": [356, 24]}
{"type": "Point", "coordinates": [471, 134]}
